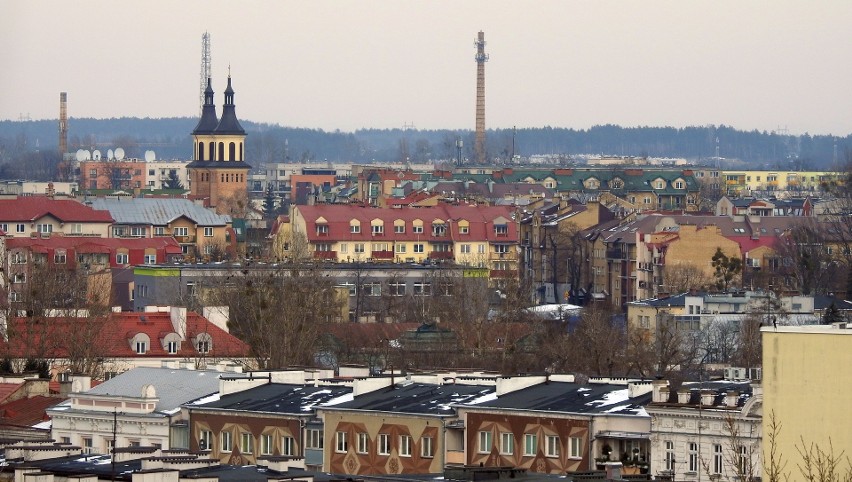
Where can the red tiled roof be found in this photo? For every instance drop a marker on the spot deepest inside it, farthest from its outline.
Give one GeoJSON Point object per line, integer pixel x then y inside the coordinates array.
{"type": "Point", "coordinates": [165, 247]}
{"type": "Point", "coordinates": [338, 217]}
{"type": "Point", "coordinates": [114, 337]}
{"type": "Point", "coordinates": [27, 411]}
{"type": "Point", "coordinates": [32, 208]}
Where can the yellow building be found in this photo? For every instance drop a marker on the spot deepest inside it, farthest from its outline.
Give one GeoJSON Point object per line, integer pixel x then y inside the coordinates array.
{"type": "Point", "coordinates": [804, 370]}
{"type": "Point", "coordinates": [740, 182]}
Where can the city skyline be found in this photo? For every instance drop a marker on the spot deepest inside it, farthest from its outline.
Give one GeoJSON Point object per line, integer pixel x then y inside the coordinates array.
{"type": "Point", "coordinates": [350, 65]}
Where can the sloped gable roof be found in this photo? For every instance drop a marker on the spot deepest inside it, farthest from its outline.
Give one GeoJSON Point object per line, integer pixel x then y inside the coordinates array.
{"type": "Point", "coordinates": [159, 211]}
{"type": "Point", "coordinates": [32, 208]}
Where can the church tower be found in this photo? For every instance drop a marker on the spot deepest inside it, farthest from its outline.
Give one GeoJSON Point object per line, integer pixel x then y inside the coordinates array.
{"type": "Point", "coordinates": [218, 172]}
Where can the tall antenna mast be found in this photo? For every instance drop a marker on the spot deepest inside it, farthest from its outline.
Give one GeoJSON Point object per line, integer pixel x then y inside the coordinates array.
{"type": "Point", "coordinates": [63, 124]}
{"type": "Point", "coordinates": [481, 58]}
{"type": "Point", "coordinates": [206, 69]}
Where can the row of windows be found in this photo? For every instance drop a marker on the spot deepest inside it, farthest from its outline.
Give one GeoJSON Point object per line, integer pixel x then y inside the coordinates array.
{"type": "Point", "coordinates": [232, 151]}
{"type": "Point", "coordinates": [141, 231]}
{"type": "Point", "coordinates": [552, 445]}
{"type": "Point", "coordinates": [383, 444]}
{"type": "Point", "coordinates": [397, 288]}
{"type": "Point", "coordinates": [267, 443]}
{"type": "Point", "coordinates": [743, 459]}
{"type": "Point", "coordinates": [438, 229]}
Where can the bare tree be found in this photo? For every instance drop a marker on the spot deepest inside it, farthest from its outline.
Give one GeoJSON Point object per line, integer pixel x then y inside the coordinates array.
{"type": "Point", "coordinates": [682, 277]}
{"type": "Point", "coordinates": [773, 464]}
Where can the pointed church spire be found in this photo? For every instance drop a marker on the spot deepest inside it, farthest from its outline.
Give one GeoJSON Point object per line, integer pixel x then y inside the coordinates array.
{"type": "Point", "coordinates": [229, 124]}
{"type": "Point", "coordinates": [208, 121]}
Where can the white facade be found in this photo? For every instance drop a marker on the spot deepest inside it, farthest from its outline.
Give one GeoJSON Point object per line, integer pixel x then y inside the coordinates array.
{"type": "Point", "coordinates": [43, 188]}
{"type": "Point", "coordinates": [717, 438]}
{"type": "Point", "coordinates": [157, 173]}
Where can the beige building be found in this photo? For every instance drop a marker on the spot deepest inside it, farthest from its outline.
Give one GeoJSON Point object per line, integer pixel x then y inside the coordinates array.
{"type": "Point", "coordinates": [803, 367]}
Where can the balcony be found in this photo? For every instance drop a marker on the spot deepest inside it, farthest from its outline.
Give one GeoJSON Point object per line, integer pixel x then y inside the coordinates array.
{"type": "Point", "coordinates": [440, 255]}
{"type": "Point", "coordinates": [382, 254]}
{"type": "Point", "coordinates": [325, 255]}
{"type": "Point", "coordinates": [188, 239]}
{"type": "Point", "coordinates": [614, 254]}
{"type": "Point", "coordinates": [502, 273]}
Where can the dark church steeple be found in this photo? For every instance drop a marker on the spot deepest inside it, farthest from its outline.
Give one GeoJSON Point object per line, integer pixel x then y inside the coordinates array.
{"type": "Point", "coordinates": [229, 124]}
{"type": "Point", "coordinates": [208, 122]}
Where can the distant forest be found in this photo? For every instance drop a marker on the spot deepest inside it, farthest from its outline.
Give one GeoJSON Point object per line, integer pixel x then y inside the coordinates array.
{"type": "Point", "coordinates": [29, 149]}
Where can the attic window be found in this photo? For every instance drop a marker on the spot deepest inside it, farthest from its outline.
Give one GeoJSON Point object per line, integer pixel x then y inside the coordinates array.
{"type": "Point", "coordinates": [140, 343]}
{"type": "Point", "coordinates": [141, 347]}
{"type": "Point", "coordinates": [501, 229]}
{"type": "Point", "coordinates": [203, 343]}
{"type": "Point", "coordinates": [322, 229]}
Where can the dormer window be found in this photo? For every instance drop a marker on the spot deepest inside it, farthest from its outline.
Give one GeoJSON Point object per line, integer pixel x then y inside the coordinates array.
{"type": "Point", "coordinates": [439, 229]}
{"type": "Point", "coordinates": [140, 343]}
{"type": "Point", "coordinates": [203, 343]}
{"type": "Point", "coordinates": [355, 228]}
{"type": "Point", "coordinates": [141, 347]}
{"type": "Point", "coordinates": [660, 184]}
{"type": "Point", "coordinates": [378, 229]}
{"type": "Point", "coordinates": [322, 229]}
{"type": "Point", "coordinates": [501, 229]}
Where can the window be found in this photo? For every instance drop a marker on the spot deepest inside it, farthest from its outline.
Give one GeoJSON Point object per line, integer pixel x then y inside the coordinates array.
{"type": "Point", "coordinates": [137, 231]}
{"type": "Point", "coordinates": [288, 445]}
{"type": "Point", "coordinates": [121, 258]}
{"type": "Point", "coordinates": [204, 439]}
{"type": "Point", "coordinates": [552, 446]}
{"type": "Point", "coordinates": [575, 447]}
{"type": "Point", "coordinates": [159, 231]}
{"type": "Point", "coordinates": [266, 444]}
{"type": "Point", "coordinates": [399, 229]}
{"type": "Point", "coordinates": [426, 447]}
{"type": "Point", "coordinates": [45, 228]}
{"type": "Point", "coordinates": [150, 259]}
{"type": "Point", "coordinates": [744, 462]}
{"type": "Point", "coordinates": [19, 257]}
{"type": "Point", "coordinates": [180, 231]}
{"type": "Point", "coordinates": [355, 228]}
{"type": "Point", "coordinates": [322, 229]}
{"type": "Point", "coordinates": [15, 296]}
{"type": "Point", "coordinates": [225, 439]}
{"type": "Point", "coordinates": [20, 228]}
{"type": "Point", "coordinates": [373, 289]}
{"type": "Point", "coordinates": [717, 458]}
{"type": "Point", "coordinates": [378, 229]}
{"type": "Point", "coordinates": [341, 447]}
{"type": "Point", "coordinates": [417, 229]}
{"type": "Point", "coordinates": [397, 288]}
{"type": "Point", "coordinates": [363, 443]}
{"type": "Point", "coordinates": [693, 457]}
{"type": "Point", "coordinates": [88, 448]}
{"type": "Point", "coordinates": [246, 443]}
{"type": "Point", "coordinates": [679, 185]}
{"type": "Point", "coordinates": [501, 248]}
{"type": "Point", "coordinates": [481, 249]}
{"type": "Point", "coordinates": [422, 288]}
{"type": "Point", "coordinates": [439, 229]}
{"type": "Point", "coordinates": [59, 257]}
{"type": "Point", "coordinates": [141, 347]}
{"type": "Point", "coordinates": [384, 444]}
{"type": "Point", "coordinates": [484, 442]}
{"type": "Point", "coordinates": [344, 248]}
{"type": "Point", "coordinates": [359, 248]}
{"type": "Point", "coordinates": [507, 443]}
{"type": "Point", "coordinates": [76, 228]}
{"type": "Point", "coordinates": [314, 438]}
{"type": "Point", "coordinates": [208, 232]}
{"type": "Point", "coordinates": [418, 248]}
{"type": "Point", "coordinates": [405, 445]}
{"type": "Point", "coordinates": [530, 443]}
{"type": "Point", "coordinates": [501, 229]}
{"type": "Point", "coordinates": [670, 456]}
{"type": "Point", "coordinates": [464, 249]}
{"type": "Point", "coordinates": [172, 347]}
{"type": "Point", "coordinates": [400, 248]}
{"type": "Point", "coordinates": [464, 229]}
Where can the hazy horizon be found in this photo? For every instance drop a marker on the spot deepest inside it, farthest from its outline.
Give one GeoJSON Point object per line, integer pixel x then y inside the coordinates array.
{"type": "Point", "coordinates": [342, 65]}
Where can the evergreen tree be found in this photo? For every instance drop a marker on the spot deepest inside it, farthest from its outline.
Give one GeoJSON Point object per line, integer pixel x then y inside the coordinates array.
{"type": "Point", "coordinates": [726, 268]}
{"type": "Point", "coordinates": [269, 203]}
{"type": "Point", "coordinates": [173, 182]}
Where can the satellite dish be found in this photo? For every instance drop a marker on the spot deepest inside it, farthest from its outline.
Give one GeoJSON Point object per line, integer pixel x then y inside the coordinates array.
{"type": "Point", "coordinates": [96, 155]}
{"type": "Point", "coordinates": [150, 156]}
{"type": "Point", "coordinates": [110, 155]}
{"type": "Point", "coordinates": [81, 155]}
{"type": "Point", "coordinates": [119, 154]}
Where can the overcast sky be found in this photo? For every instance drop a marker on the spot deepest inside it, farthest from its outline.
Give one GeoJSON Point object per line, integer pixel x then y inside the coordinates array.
{"type": "Point", "coordinates": [763, 65]}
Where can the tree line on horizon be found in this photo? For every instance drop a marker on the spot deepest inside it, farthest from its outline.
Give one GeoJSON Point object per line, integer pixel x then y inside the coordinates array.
{"type": "Point", "coordinates": [29, 149]}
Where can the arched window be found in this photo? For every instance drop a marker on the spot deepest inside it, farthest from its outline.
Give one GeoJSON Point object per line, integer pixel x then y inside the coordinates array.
{"type": "Point", "coordinates": [221, 151]}
{"type": "Point", "coordinates": [211, 151]}
{"type": "Point", "coordinates": [232, 152]}
{"type": "Point", "coordinates": [241, 151]}
{"type": "Point", "coordinates": [200, 151]}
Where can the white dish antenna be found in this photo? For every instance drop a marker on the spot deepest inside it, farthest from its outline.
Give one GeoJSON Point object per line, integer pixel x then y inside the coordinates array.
{"type": "Point", "coordinates": [81, 155]}
{"type": "Point", "coordinates": [150, 156]}
{"type": "Point", "coordinates": [96, 155]}
{"type": "Point", "coordinates": [119, 154]}
{"type": "Point", "coordinates": [110, 155]}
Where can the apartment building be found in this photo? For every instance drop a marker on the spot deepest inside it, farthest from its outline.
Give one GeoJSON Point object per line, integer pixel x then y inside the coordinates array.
{"type": "Point", "coordinates": [43, 216]}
